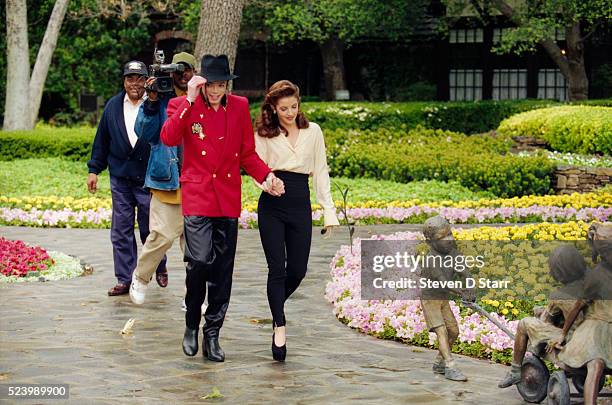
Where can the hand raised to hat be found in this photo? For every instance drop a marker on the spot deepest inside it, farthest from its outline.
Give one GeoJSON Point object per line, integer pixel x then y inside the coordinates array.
{"type": "Point", "coordinates": [194, 86]}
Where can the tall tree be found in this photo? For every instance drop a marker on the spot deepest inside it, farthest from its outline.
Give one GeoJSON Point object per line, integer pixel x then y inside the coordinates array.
{"type": "Point", "coordinates": [219, 28]}
{"type": "Point", "coordinates": [18, 66]}
{"type": "Point", "coordinates": [536, 23]}
{"type": "Point", "coordinates": [23, 93]}
{"type": "Point", "coordinates": [334, 25]}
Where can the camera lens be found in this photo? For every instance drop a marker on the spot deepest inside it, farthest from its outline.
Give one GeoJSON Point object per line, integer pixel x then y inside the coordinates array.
{"type": "Point", "coordinates": [164, 84]}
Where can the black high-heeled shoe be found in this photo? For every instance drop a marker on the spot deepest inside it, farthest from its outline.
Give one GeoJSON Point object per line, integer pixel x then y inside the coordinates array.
{"type": "Point", "coordinates": [278, 352]}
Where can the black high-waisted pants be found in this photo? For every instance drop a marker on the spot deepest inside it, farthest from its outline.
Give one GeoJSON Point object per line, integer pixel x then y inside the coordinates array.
{"type": "Point", "coordinates": [285, 228]}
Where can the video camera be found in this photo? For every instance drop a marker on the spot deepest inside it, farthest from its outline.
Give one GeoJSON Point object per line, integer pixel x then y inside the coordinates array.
{"type": "Point", "coordinates": [162, 72]}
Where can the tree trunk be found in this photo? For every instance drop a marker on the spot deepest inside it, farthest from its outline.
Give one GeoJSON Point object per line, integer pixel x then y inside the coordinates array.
{"type": "Point", "coordinates": [219, 28]}
{"type": "Point", "coordinates": [43, 60]}
{"type": "Point", "coordinates": [18, 66]}
{"type": "Point", "coordinates": [333, 66]}
{"type": "Point", "coordinates": [577, 80]}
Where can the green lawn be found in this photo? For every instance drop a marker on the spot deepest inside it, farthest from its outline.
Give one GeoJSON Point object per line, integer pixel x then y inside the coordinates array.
{"type": "Point", "coordinates": [48, 176]}
{"type": "Point", "coordinates": [58, 177]}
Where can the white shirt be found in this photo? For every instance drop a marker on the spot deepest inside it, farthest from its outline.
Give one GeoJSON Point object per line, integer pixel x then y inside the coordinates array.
{"type": "Point", "coordinates": [308, 157]}
{"type": "Point", "coordinates": [130, 112]}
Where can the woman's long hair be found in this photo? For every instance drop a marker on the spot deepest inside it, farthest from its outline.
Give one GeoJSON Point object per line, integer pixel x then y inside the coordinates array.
{"type": "Point", "coordinates": [267, 123]}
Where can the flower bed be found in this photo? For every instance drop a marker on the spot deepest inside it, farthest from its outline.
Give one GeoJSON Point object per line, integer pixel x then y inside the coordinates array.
{"type": "Point", "coordinates": [22, 263]}
{"type": "Point", "coordinates": [96, 213]}
{"type": "Point", "coordinates": [598, 199]}
{"type": "Point", "coordinates": [403, 320]}
{"type": "Point", "coordinates": [65, 267]}
{"type": "Point", "coordinates": [573, 159]}
{"type": "Point", "coordinates": [19, 259]}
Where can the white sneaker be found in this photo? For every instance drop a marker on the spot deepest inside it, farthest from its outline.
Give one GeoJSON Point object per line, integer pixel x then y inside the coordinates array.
{"type": "Point", "coordinates": [138, 290]}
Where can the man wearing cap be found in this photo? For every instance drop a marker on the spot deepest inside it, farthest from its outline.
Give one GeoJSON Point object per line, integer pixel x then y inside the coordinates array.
{"type": "Point", "coordinates": [118, 147]}
{"type": "Point", "coordinates": [217, 136]}
{"type": "Point", "coordinates": [162, 179]}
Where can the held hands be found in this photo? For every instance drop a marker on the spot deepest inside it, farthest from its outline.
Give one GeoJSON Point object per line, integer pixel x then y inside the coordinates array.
{"type": "Point", "coordinates": [194, 86]}
{"type": "Point", "coordinates": [92, 183]}
{"type": "Point", "coordinates": [273, 185]}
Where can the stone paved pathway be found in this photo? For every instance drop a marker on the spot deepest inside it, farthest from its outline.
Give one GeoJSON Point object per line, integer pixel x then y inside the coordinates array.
{"type": "Point", "coordinates": [68, 332]}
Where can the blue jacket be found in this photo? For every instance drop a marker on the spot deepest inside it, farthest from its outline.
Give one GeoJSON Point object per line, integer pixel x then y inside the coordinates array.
{"type": "Point", "coordinates": [112, 148]}
{"type": "Point", "coordinates": [163, 167]}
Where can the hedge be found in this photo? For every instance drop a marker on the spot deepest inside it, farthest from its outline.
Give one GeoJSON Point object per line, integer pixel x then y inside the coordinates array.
{"type": "Point", "coordinates": [47, 141]}
{"type": "Point", "coordinates": [581, 129]}
{"type": "Point", "coordinates": [477, 162]}
{"type": "Point", "coordinates": [464, 117]}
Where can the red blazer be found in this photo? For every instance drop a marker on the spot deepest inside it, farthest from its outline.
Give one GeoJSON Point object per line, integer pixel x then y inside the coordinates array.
{"type": "Point", "coordinates": [210, 174]}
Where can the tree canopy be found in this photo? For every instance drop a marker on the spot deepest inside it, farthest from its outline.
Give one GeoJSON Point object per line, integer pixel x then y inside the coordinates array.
{"type": "Point", "coordinates": [536, 22]}
{"type": "Point", "coordinates": [291, 20]}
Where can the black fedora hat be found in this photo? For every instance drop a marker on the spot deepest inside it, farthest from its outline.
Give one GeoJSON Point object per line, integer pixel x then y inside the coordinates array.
{"type": "Point", "coordinates": [216, 69]}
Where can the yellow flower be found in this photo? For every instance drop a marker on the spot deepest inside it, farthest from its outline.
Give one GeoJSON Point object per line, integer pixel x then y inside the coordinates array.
{"type": "Point", "coordinates": [515, 311]}
{"type": "Point", "coordinates": [504, 311]}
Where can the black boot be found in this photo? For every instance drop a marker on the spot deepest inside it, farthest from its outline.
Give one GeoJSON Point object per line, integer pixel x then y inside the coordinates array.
{"type": "Point", "coordinates": [212, 350]}
{"type": "Point", "coordinates": [190, 342]}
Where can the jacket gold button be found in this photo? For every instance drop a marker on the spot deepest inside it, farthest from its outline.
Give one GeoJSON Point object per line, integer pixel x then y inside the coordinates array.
{"type": "Point", "coordinates": [203, 153]}
{"type": "Point", "coordinates": [229, 175]}
{"type": "Point", "coordinates": [214, 175]}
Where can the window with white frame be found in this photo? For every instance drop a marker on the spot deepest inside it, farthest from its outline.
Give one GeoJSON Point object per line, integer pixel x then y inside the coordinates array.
{"type": "Point", "coordinates": [465, 84]}
{"type": "Point", "coordinates": [465, 35]}
{"type": "Point", "coordinates": [551, 85]}
{"type": "Point", "coordinates": [509, 84]}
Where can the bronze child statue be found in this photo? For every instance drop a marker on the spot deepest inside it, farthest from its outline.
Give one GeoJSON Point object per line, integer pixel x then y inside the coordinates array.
{"type": "Point", "coordinates": [590, 345]}
{"type": "Point", "coordinates": [568, 268]}
{"type": "Point", "coordinates": [434, 301]}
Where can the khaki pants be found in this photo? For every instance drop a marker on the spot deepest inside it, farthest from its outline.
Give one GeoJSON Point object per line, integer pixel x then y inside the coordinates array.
{"type": "Point", "coordinates": [439, 313]}
{"type": "Point", "coordinates": [165, 225]}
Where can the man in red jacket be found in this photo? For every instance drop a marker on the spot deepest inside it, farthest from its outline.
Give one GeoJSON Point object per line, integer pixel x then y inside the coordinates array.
{"type": "Point", "coordinates": [217, 136]}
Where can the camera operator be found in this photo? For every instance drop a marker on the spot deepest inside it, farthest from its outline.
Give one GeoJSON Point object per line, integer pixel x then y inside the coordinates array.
{"type": "Point", "coordinates": [162, 178]}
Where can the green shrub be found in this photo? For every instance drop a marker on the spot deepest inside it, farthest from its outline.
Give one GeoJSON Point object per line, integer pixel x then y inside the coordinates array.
{"type": "Point", "coordinates": [476, 162]}
{"type": "Point", "coordinates": [476, 117]}
{"type": "Point", "coordinates": [418, 91]}
{"type": "Point", "coordinates": [604, 102]}
{"type": "Point", "coordinates": [465, 117]}
{"type": "Point", "coordinates": [581, 129]}
{"type": "Point", "coordinates": [47, 141]}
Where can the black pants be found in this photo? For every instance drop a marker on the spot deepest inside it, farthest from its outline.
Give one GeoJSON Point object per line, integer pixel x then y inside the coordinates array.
{"type": "Point", "coordinates": [210, 247]}
{"type": "Point", "coordinates": [285, 228]}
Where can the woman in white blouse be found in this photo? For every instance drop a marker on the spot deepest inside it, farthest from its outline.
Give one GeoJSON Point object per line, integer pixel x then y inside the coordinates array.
{"type": "Point", "coordinates": [294, 149]}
